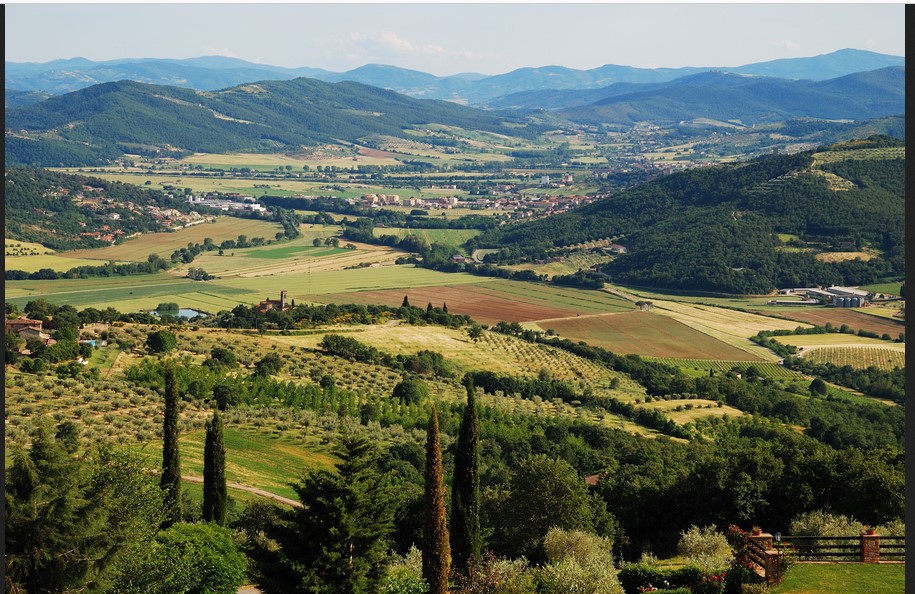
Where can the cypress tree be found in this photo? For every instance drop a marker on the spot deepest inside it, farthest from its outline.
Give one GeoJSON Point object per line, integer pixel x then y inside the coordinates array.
{"type": "Point", "coordinates": [436, 548]}
{"type": "Point", "coordinates": [406, 302]}
{"type": "Point", "coordinates": [171, 462]}
{"type": "Point", "coordinates": [214, 472]}
{"type": "Point", "coordinates": [465, 492]}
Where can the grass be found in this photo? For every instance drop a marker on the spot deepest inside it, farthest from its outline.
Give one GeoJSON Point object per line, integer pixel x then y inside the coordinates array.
{"type": "Point", "coordinates": [163, 244]}
{"type": "Point", "coordinates": [885, 288]}
{"type": "Point", "coordinates": [849, 578]}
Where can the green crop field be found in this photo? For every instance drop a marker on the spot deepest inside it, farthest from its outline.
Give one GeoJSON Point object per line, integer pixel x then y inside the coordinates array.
{"type": "Point", "coordinates": [895, 152]}
{"type": "Point", "coordinates": [860, 357]}
{"type": "Point", "coordinates": [568, 265]}
{"type": "Point", "coordinates": [163, 244]}
{"type": "Point", "coordinates": [131, 293]}
{"type": "Point", "coordinates": [885, 288]}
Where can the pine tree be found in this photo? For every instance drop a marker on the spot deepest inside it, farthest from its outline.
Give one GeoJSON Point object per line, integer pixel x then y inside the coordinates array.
{"type": "Point", "coordinates": [436, 548]}
{"type": "Point", "coordinates": [337, 541]}
{"type": "Point", "coordinates": [214, 472]}
{"type": "Point", "coordinates": [171, 461]}
{"type": "Point", "coordinates": [465, 492]}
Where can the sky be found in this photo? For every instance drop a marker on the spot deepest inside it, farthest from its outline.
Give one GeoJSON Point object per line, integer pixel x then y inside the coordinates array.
{"type": "Point", "coordinates": [445, 39]}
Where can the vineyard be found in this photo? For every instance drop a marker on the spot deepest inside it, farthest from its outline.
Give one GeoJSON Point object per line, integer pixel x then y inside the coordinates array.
{"type": "Point", "coordinates": [765, 368]}
{"type": "Point", "coordinates": [858, 356]}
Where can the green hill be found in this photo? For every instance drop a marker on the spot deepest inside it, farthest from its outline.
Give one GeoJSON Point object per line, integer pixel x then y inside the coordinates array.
{"type": "Point", "coordinates": [99, 123]}
{"type": "Point", "coordinates": [716, 228]}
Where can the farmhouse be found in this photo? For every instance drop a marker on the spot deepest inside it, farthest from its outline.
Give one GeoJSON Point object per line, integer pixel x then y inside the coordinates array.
{"type": "Point", "coordinates": [280, 304]}
{"type": "Point", "coordinates": [20, 324]}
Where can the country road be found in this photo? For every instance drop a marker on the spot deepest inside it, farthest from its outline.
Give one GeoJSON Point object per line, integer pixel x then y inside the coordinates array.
{"type": "Point", "coordinates": [249, 489]}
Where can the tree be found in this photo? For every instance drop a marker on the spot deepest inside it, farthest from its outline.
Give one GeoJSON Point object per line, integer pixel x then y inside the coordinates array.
{"type": "Point", "coordinates": [337, 541]}
{"type": "Point", "coordinates": [411, 391]}
{"type": "Point", "coordinates": [818, 386]}
{"type": "Point", "coordinates": [436, 548]}
{"type": "Point", "coordinates": [465, 490]}
{"type": "Point", "coordinates": [269, 365]}
{"type": "Point", "coordinates": [316, 242]}
{"type": "Point", "coordinates": [161, 341]}
{"type": "Point", "coordinates": [406, 302]}
{"type": "Point", "coordinates": [544, 492]}
{"type": "Point", "coordinates": [171, 460]}
{"type": "Point", "coordinates": [72, 519]}
{"type": "Point", "coordinates": [215, 494]}
{"type": "Point", "coordinates": [188, 558]}
{"type": "Point", "coordinates": [475, 332]}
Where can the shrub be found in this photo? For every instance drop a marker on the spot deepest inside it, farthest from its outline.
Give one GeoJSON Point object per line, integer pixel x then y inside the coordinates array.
{"type": "Point", "coordinates": [581, 546]}
{"type": "Point", "coordinates": [569, 575]}
{"type": "Point", "coordinates": [497, 576]}
{"type": "Point", "coordinates": [705, 547]}
{"type": "Point", "coordinates": [405, 575]}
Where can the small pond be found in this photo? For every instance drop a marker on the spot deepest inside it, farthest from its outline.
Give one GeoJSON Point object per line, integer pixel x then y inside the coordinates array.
{"type": "Point", "coordinates": [181, 313]}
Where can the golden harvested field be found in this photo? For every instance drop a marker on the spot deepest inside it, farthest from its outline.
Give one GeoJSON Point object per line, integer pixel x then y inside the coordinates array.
{"type": "Point", "coordinates": [569, 264]}
{"type": "Point", "coordinates": [163, 244]}
{"type": "Point", "coordinates": [837, 339]}
{"type": "Point", "coordinates": [282, 159]}
{"type": "Point", "coordinates": [857, 356]}
{"type": "Point", "coordinates": [843, 256]}
{"type": "Point", "coordinates": [647, 334]}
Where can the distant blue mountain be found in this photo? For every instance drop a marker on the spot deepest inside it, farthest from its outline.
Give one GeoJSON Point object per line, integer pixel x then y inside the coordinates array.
{"type": "Point", "coordinates": [210, 73]}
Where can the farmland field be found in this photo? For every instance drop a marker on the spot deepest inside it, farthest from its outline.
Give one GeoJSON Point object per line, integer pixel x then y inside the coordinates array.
{"type": "Point", "coordinates": [766, 368]}
{"type": "Point", "coordinates": [687, 411]}
{"type": "Point", "coordinates": [450, 237]}
{"type": "Point", "coordinates": [569, 264]}
{"type": "Point", "coordinates": [838, 316]}
{"type": "Point", "coordinates": [885, 288]}
{"type": "Point", "coordinates": [30, 257]}
{"type": "Point", "coordinates": [294, 258]}
{"type": "Point", "coordinates": [646, 334]}
{"type": "Point", "coordinates": [491, 301]}
{"type": "Point", "coordinates": [163, 244]}
{"type": "Point", "coordinates": [858, 356]}
{"type": "Point", "coordinates": [131, 293]}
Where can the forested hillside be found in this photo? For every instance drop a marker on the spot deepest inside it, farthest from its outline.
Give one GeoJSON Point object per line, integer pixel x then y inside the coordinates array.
{"type": "Point", "coordinates": [716, 229]}
{"type": "Point", "coordinates": [90, 126]}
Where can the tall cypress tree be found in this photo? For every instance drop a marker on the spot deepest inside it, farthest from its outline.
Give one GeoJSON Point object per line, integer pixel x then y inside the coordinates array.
{"type": "Point", "coordinates": [214, 472]}
{"type": "Point", "coordinates": [171, 462]}
{"type": "Point", "coordinates": [465, 491]}
{"type": "Point", "coordinates": [436, 548]}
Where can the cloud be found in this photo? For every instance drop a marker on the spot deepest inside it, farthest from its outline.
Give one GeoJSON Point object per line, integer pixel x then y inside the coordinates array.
{"type": "Point", "coordinates": [788, 44]}
{"type": "Point", "coordinates": [221, 51]}
{"type": "Point", "coordinates": [392, 41]}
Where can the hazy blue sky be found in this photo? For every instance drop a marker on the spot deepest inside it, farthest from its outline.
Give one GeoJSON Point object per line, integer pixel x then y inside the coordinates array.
{"type": "Point", "coordinates": [449, 38]}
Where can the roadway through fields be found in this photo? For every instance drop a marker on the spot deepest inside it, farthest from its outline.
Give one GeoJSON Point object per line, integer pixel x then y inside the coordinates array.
{"type": "Point", "coordinates": [248, 489]}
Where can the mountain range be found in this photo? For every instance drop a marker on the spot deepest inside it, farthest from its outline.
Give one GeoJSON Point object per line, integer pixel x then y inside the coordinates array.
{"type": "Point", "coordinates": [211, 73]}
{"type": "Point", "coordinates": [99, 123]}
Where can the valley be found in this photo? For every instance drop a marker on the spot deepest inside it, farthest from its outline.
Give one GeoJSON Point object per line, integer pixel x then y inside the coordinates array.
{"type": "Point", "coordinates": [657, 299]}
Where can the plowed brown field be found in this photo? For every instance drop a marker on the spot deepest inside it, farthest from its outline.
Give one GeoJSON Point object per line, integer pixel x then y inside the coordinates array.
{"type": "Point", "coordinates": [647, 334]}
{"type": "Point", "coordinates": [470, 300]}
{"type": "Point", "coordinates": [854, 319]}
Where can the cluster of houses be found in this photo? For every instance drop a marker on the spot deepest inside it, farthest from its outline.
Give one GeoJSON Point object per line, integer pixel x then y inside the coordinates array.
{"type": "Point", "coordinates": [834, 296]}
